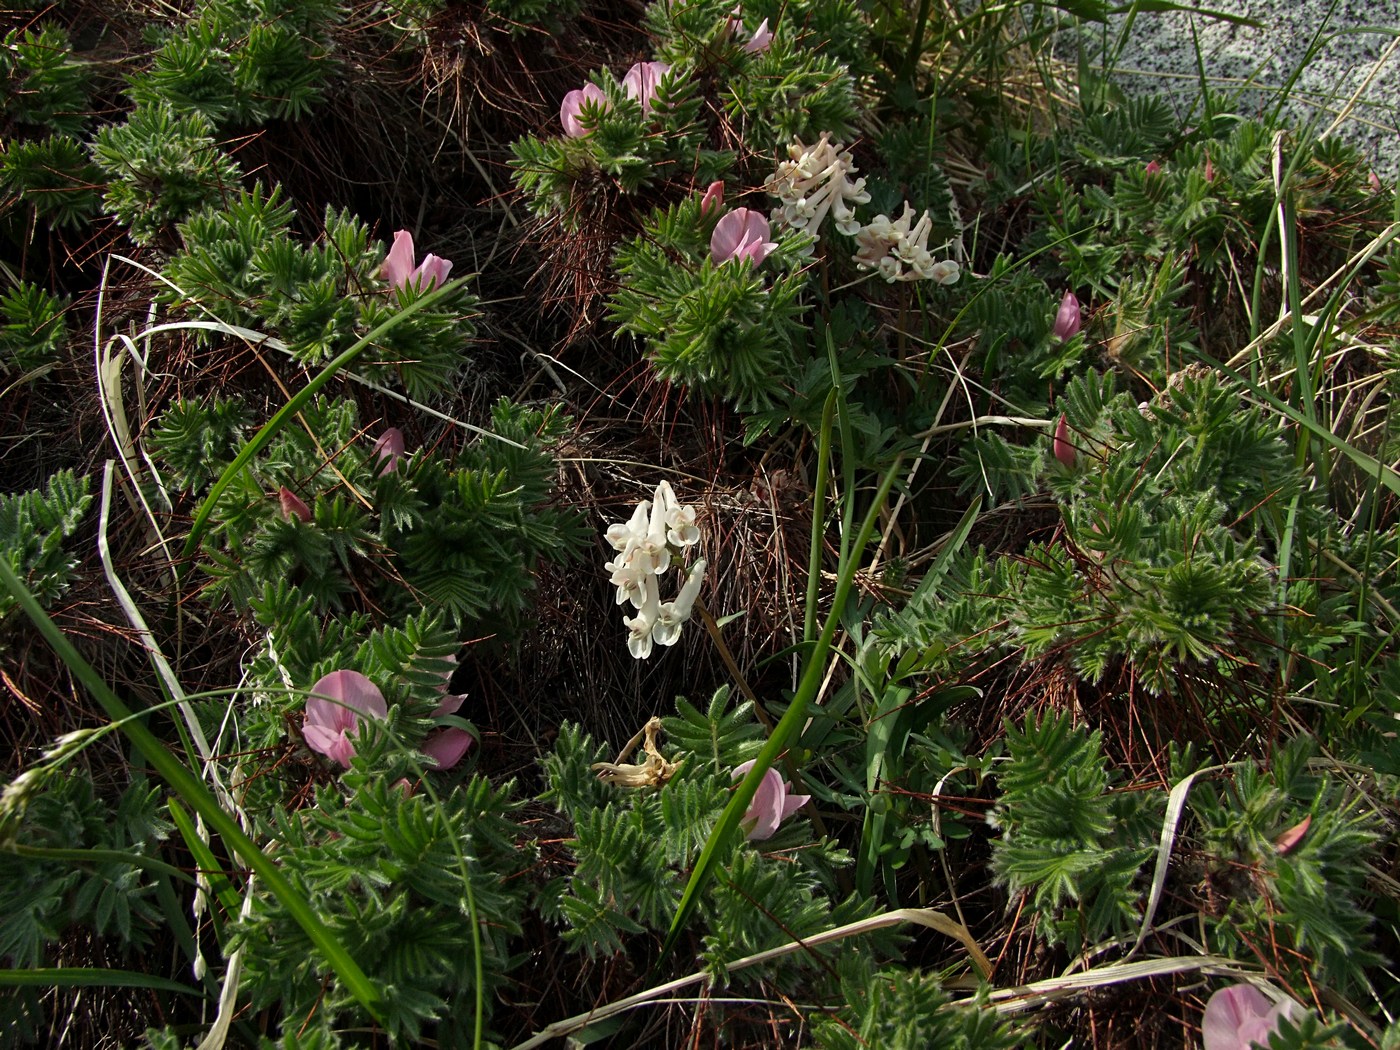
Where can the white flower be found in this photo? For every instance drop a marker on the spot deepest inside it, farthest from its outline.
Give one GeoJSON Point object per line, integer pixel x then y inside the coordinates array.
{"type": "Point", "coordinates": [628, 534]}
{"type": "Point", "coordinates": [898, 251]}
{"type": "Point", "coordinates": [816, 180]}
{"type": "Point", "coordinates": [680, 520]}
{"type": "Point", "coordinates": [640, 627]}
{"type": "Point", "coordinates": [672, 615]}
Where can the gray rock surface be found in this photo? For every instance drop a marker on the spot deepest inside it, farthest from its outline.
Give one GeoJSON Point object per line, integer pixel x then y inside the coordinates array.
{"type": "Point", "coordinates": [1356, 53]}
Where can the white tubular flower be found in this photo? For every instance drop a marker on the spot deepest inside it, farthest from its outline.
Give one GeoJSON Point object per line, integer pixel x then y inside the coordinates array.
{"type": "Point", "coordinates": [639, 627]}
{"type": "Point", "coordinates": [671, 616]}
{"type": "Point", "coordinates": [898, 250]}
{"type": "Point", "coordinates": [630, 534]}
{"type": "Point", "coordinates": [629, 576]}
{"type": "Point", "coordinates": [816, 180]}
{"type": "Point", "coordinates": [680, 520]}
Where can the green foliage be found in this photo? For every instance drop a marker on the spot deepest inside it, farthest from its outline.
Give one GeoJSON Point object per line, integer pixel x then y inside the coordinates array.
{"type": "Point", "coordinates": [1067, 836]}
{"type": "Point", "coordinates": [728, 329]}
{"type": "Point", "coordinates": [243, 61]}
{"type": "Point", "coordinates": [1313, 897]}
{"type": "Point", "coordinates": [41, 899]}
{"type": "Point", "coordinates": [41, 85]}
{"type": "Point", "coordinates": [716, 739]}
{"type": "Point", "coordinates": [909, 1010]}
{"type": "Point", "coordinates": [53, 176]}
{"type": "Point", "coordinates": [624, 149]}
{"type": "Point", "coordinates": [32, 332]}
{"type": "Point", "coordinates": [630, 845]}
{"type": "Point", "coordinates": [410, 882]}
{"type": "Point", "coordinates": [164, 166]}
{"type": "Point", "coordinates": [461, 534]}
{"type": "Point", "coordinates": [33, 526]}
{"type": "Point", "coordinates": [241, 263]}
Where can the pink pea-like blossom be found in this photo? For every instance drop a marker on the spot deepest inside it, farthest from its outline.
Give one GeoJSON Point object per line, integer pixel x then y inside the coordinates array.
{"type": "Point", "coordinates": [388, 450]}
{"type": "Point", "coordinates": [333, 713]}
{"type": "Point", "coordinates": [642, 80]}
{"type": "Point", "coordinates": [1068, 318]}
{"type": "Point", "coordinates": [572, 106]}
{"type": "Point", "coordinates": [742, 234]}
{"type": "Point", "coordinates": [772, 804]}
{"type": "Point", "coordinates": [398, 268]}
{"type": "Point", "coordinates": [1240, 1016]}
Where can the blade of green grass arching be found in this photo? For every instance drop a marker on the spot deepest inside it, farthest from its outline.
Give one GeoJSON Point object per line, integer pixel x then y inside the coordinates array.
{"type": "Point", "coordinates": [295, 405]}
{"type": "Point", "coordinates": [90, 977]}
{"type": "Point", "coordinates": [814, 552]}
{"type": "Point", "coordinates": [785, 730]}
{"type": "Point", "coordinates": [192, 790]}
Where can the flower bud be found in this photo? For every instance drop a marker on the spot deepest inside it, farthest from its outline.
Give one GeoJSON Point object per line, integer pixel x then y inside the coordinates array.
{"type": "Point", "coordinates": [1063, 447]}
{"type": "Point", "coordinates": [1068, 319]}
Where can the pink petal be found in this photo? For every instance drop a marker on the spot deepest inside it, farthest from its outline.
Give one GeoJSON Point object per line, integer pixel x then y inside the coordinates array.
{"type": "Point", "coordinates": [388, 449]}
{"type": "Point", "coordinates": [292, 505]}
{"type": "Point", "coordinates": [448, 706]}
{"type": "Point", "coordinates": [762, 37]}
{"type": "Point", "coordinates": [432, 273]}
{"type": "Point", "coordinates": [765, 812]}
{"type": "Point", "coordinates": [1228, 1012]}
{"type": "Point", "coordinates": [741, 234]}
{"type": "Point", "coordinates": [572, 106]}
{"type": "Point", "coordinates": [642, 80]}
{"type": "Point", "coordinates": [446, 746]}
{"type": "Point", "coordinates": [398, 267]}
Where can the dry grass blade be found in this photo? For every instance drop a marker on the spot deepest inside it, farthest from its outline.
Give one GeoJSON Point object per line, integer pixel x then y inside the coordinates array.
{"type": "Point", "coordinates": [934, 920]}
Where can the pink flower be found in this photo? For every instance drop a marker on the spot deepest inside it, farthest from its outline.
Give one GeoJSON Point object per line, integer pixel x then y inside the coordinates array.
{"type": "Point", "coordinates": [713, 199]}
{"type": "Point", "coordinates": [642, 81]}
{"type": "Point", "coordinates": [1064, 448]}
{"type": "Point", "coordinates": [572, 107]}
{"type": "Point", "coordinates": [388, 450]}
{"type": "Point", "coordinates": [772, 804]}
{"type": "Point", "coordinates": [1240, 1016]}
{"type": "Point", "coordinates": [1069, 318]}
{"type": "Point", "coordinates": [447, 745]}
{"type": "Point", "coordinates": [399, 271]}
{"type": "Point", "coordinates": [762, 37]}
{"type": "Point", "coordinates": [1152, 168]}
{"type": "Point", "coordinates": [333, 713]}
{"type": "Point", "coordinates": [742, 234]}
{"type": "Point", "coordinates": [293, 506]}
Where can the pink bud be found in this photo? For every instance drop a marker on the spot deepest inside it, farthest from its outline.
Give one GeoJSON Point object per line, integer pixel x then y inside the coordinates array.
{"type": "Point", "coordinates": [388, 450]}
{"type": "Point", "coordinates": [713, 199]}
{"type": "Point", "coordinates": [1064, 449]}
{"type": "Point", "coordinates": [1068, 318]}
{"type": "Point", "coordinates": [1288, 841]}
{"type": "Point", "coordinates": [1375, 181]}
{"type": "Point", "coordinates": [572, 106]}
{"type": "Point", "coordinates": [1152, 168]}
{"type": "Point", "coordinates": [1210, 168]}
{"type": "Point", "coordinates": [742, 234]}
{"type": "Point", "coordinates": [292, 505]}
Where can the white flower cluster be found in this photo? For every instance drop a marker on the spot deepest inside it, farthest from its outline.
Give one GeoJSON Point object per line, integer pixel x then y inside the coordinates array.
{"type": "Point", "coordinates": [814, 181]}
{"type": "Point", "coordinates": [900, 252]}
{"type": "Point", "coordinates": [660, 529]}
